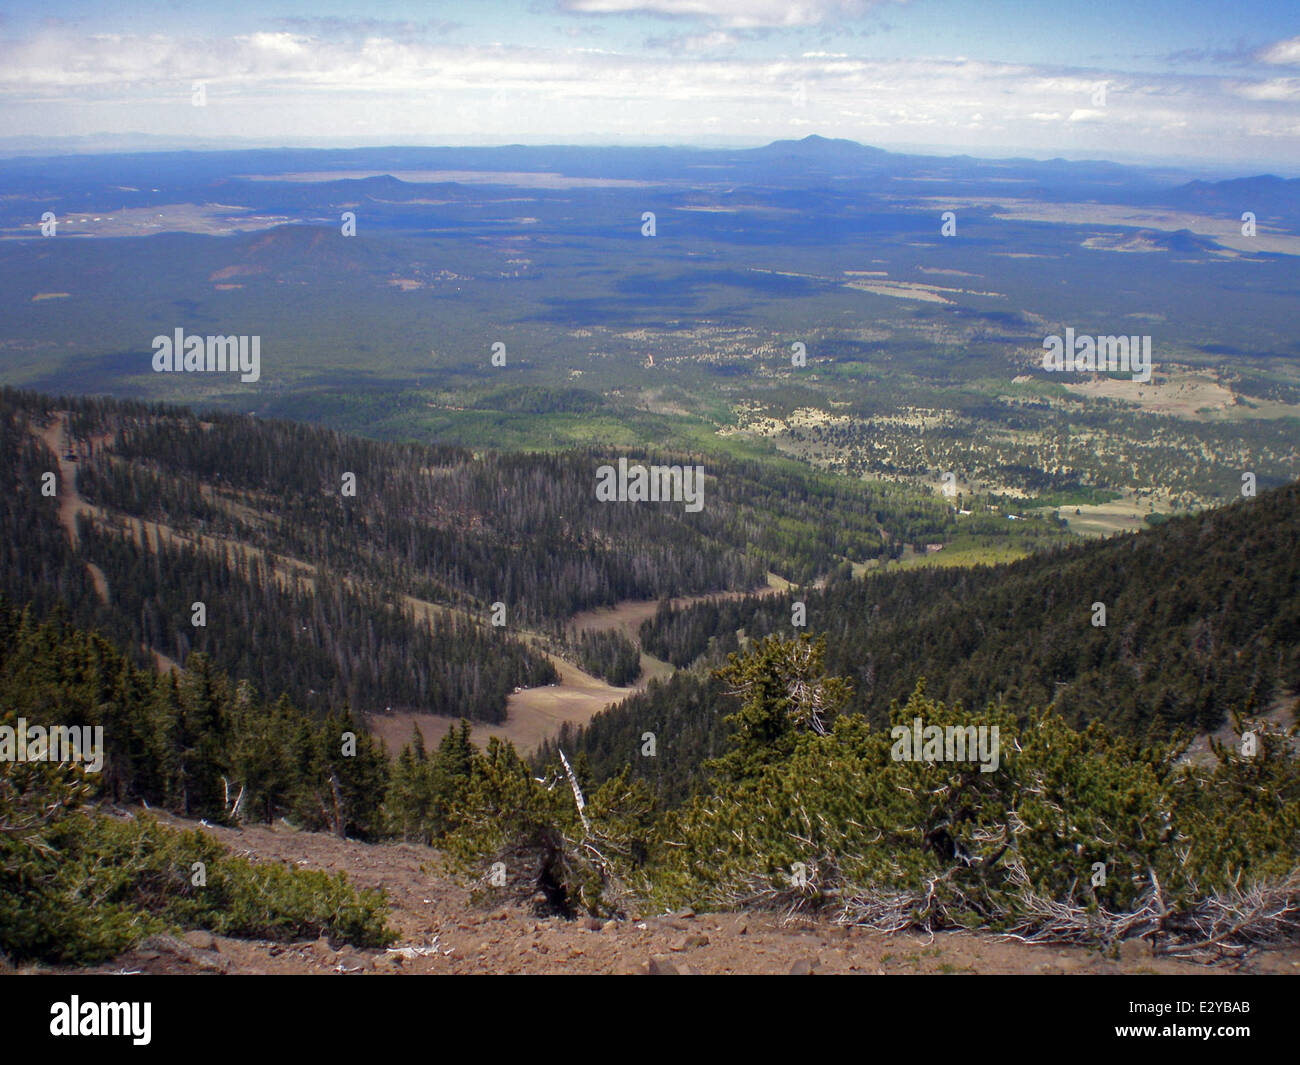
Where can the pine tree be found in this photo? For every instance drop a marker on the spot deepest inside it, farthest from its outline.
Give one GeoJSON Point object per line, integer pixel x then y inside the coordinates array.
{"type": "Point", "coordinates": [784, 691]}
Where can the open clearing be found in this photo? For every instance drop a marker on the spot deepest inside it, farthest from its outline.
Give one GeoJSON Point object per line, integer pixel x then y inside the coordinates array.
{"type": "Point", "coordinates": [532, 716]}
{"type": "Point", "coordinates": [1106, 519]}
{"type": "Point", "coordinates": [209, 219]}
{"type": "Point", "coordinates": [536, 714]}
{"type": "Point", "coordinates": [1181, 394]}
{"type": "Point", "coordinates": [628, 615]}
{"type": "Point", "coordinates": [1224, 231]}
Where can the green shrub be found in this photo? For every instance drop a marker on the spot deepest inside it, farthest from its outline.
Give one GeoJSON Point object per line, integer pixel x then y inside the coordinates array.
{"type": "Point", "coordinates": [79, 886]}
{"type": "Point", "coordinates": [1078, 836]}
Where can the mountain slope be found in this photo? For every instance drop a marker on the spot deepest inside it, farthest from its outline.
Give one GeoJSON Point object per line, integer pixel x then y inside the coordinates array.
{"type": "Point", "coordinates": [1201, 617]}
{"type": "Point", "coordinates": [335, 568]}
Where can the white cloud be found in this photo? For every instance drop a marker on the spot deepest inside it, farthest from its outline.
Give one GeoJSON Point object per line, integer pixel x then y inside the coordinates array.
{"type": "Point", "coordinates": [736, 13]}
{"type": "Point", "coordinates": [1283, 53]}
{"type": "Point", "coordinates": [714, 41]}
{"type": "Point", "coordinates": [286, 44]}
{"type": "Point", "coordinates": [1273, 89]}
{"type": "Point", "coordinates": [301, 84]}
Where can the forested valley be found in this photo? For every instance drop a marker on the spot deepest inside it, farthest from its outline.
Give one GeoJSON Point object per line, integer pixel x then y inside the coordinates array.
{"type": "Point", "coordinates": [769, 749]}
{"type": "Point", "coordinates": [1149, 633]}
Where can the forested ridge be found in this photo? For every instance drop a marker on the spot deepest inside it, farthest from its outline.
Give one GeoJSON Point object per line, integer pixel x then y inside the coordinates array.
{"type": "Point", "coordinates": [195, 742]}
{"type": "Point", "coordinates": [609, 655]}
{"type": "Point", "coordinates": [523, 528]}
{"type": "Point", "coordinates": [317, 635]}
{"type": "Point", "coordinates": [306, 547]}
{"type": "Point", "coordinates": [1202, 616]}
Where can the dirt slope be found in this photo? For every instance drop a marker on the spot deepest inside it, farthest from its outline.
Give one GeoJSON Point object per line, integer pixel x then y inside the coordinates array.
{"type": "Point", "coordinates": [441, 932]}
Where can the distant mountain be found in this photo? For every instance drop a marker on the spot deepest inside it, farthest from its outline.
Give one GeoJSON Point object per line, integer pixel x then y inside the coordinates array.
{"type": "Point", "coordinates": [815, 146]}
{"type": "Point", "coordinates": [1182, 241]}
{"type": "Point", "coordinates": [1269, 197]}
{"type": "Point", "coordinates": [304, 253]}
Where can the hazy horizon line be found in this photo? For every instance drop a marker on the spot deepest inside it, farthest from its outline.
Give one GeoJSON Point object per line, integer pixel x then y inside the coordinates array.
{"type": "Point", "coordinates": [33, 145]}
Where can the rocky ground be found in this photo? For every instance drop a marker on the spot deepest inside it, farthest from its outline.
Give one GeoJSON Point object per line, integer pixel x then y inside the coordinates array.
{"type": "Point", "coordinates": [441, 931]}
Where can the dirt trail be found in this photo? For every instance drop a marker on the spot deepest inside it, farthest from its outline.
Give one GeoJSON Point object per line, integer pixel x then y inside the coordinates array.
{"type": "Point", "coordinates": [532, 716]}
{"type": "Point", "coordinates": [1282, 713]}
{"type": "Point", "coordinates": [442, 932]}
{"type": "Point", "coordinates": [71, 503]}
{"type": "Point", "coordinates": [536, 714]}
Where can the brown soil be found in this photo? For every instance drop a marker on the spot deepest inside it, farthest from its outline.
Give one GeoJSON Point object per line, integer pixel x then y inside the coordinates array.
{"type": "Point", "coordinates": [442, 932]}
{"type": "Point", "coordinates": [532, 715]}
{"type": "Point", "coordinates": [71, 502]}
{"type": "Point", "coordinates": [627, 615]}
{"type": "Point", "coordinates": [536, 714]}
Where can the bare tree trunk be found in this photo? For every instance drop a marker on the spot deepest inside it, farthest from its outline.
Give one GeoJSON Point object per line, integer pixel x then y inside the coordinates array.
{"type": "Point", "coordinates": [338, 804]}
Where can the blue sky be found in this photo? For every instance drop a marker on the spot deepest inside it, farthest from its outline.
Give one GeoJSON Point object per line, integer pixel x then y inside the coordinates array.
{"type": "Point", "coordinates": [1186, 80]}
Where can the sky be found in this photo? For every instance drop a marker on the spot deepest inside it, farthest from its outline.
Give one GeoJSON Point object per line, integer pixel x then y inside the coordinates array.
{"type": "Point", "coordinates": [1185, 80]}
